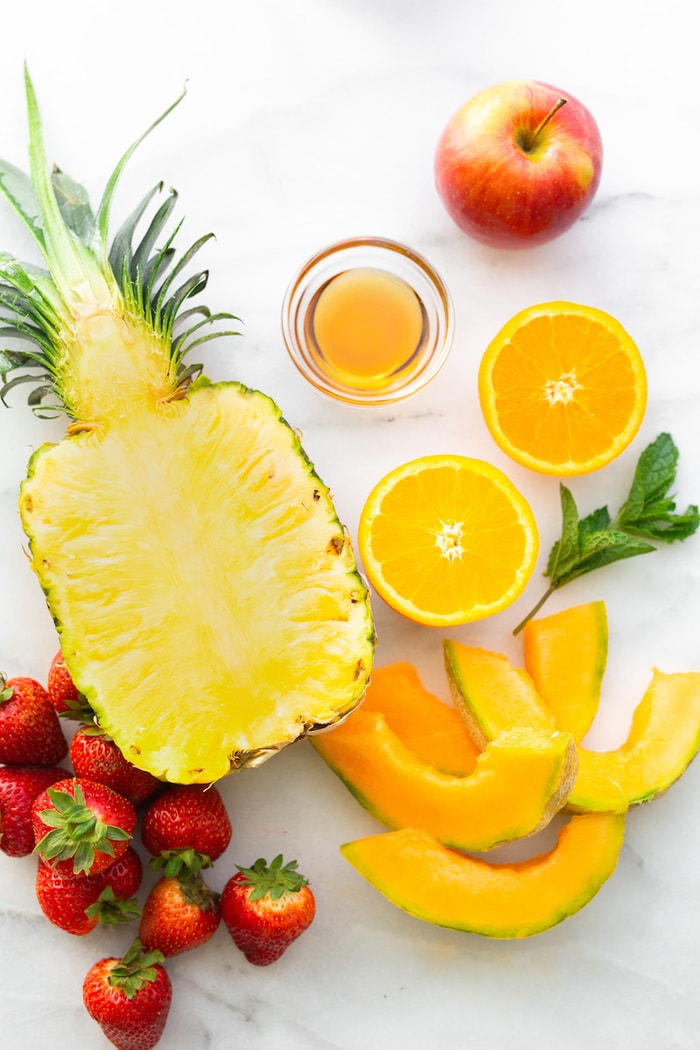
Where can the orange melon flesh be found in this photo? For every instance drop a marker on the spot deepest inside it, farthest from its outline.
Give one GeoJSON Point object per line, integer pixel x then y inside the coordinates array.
{"type": "Point", "coordinates": [663, 739]}
{"type": "Point", "coordinates": [430, 728]}
{"type": "Point", "coordinates": [440, 886]}
{"type": "Point", "coordinates": [565, 654]}
{"type": "Point", "coordinates": [664, 736]}
{"type": "Point", "coordinates": [521, 780]}
{"type": "Point", "coordinates": [491, 694]}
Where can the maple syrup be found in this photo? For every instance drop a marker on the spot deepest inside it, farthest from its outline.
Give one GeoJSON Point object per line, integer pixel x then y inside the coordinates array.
{"type": "Point", "coordinates": [367, 321]}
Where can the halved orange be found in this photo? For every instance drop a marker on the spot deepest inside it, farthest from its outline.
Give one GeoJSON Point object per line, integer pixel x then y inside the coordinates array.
{"type": "Point", "coordinates": [446, 539]}
{"type": "Point", "coordinates": [562, 388]}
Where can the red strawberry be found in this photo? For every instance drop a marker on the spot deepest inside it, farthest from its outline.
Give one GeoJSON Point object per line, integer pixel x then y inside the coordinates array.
{"type": "Point", "coordinates": [179, 914]}
{"type": "Point", "coordinates": [266, 907]}
{"type": "Point", "coordinates": [30, 732]}
{"type": "Point", "coordinates": [19, 786]}
{"type": "Point", "coordinates": [81, 827]}
{"type": "Point", "coordinates": [94, 755]}
{"type": "Point", "coordinates": [129, 998]}
{"type": "Point", "coordinates": [63, 692]}
{"type": "Point", "coordinates": [77, 905]}
{"type": "Point", "coordinates": [187, 826]}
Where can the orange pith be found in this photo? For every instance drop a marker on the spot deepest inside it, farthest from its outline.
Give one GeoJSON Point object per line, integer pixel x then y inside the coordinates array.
{"type": "Point", "coordinates": [447, 539]}
{"type": "Point", "coordinates": [562, 388]}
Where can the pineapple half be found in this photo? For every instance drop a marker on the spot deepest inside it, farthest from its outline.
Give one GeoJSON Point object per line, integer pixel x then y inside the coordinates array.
{"type": "Point", "coordinates": [206, 596]}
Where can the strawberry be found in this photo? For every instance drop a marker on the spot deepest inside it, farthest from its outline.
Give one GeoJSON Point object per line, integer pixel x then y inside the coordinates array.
{"type": "Point", "coordinates": [63, 693]}
{"type": "Point", "coordinates": [180, 913]}
{"type": "Point", "coordinates": [19, 786]}
{"type": "Point", "coordinates": [80, 826]}
{"type": "Point", "coordinates": [94, 755]}
{"type": "Point", "coordinates": [30, 732]}
{"type": "Point", "coordinates": [129, 997]}
{"type": "Point", "coordinates": [266, 907]}
{"type": "Point", "coordinates": [77, 905]}
{"type": "Point", "coordinates": [187, 826]}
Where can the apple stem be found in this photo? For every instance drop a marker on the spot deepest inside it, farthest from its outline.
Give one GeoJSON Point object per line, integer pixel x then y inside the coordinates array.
{"type": "Point", "coordinates": [532, 139]}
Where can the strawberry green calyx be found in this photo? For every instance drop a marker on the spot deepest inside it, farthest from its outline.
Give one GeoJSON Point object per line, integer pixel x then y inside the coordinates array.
{"type": "Point", "coordinates": [6, 691]}
{"type": "Point", "coordinates": [79, 710]}
{"type": "Point", "coordinates": [110, 911]}
{"type": "Point", "coordinates": [136, 969]}
{"type": "Point", "coordinates": [180, 863]}
{"type": "Point", "coordinates": [77, 833]}
{"type": "Point", "coordinates": [196, 892]}
{"type": "Point", "coordinates": [272, 880]}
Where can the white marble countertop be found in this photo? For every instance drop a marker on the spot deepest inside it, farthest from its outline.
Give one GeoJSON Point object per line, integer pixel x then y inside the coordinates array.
{"type": "Point", "coordinates": [305, 123]}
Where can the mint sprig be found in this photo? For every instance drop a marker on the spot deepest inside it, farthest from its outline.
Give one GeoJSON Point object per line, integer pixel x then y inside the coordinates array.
{"type": "Point", "coordinates": [648, 514]}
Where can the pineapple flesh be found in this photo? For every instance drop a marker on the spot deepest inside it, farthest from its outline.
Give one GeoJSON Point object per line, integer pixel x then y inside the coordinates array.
{"type": "Point", "coordinates": [206, 596]}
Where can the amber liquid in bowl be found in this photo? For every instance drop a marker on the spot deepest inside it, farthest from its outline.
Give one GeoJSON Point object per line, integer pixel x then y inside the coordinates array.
{"type": "Point", "coordinates": [365, 328]}
{"type": "Point", "coordinates": [367, 321]}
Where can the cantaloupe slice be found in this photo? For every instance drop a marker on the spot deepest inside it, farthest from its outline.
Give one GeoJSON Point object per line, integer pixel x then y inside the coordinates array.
{"type": "Point", "coordinates": [430, 728]}
{"type": "Point", "coordinates": [521, 780]}
{"type": "Point", "coordinates": [565, 654]}
{"type": "Point", "coordinates": [493, 695]}
{"type": "Point", "coordinates": [440, 886]}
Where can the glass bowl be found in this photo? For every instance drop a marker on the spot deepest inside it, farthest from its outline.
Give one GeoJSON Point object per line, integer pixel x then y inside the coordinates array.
{"type": "Point", "coordinates": [412, 277]}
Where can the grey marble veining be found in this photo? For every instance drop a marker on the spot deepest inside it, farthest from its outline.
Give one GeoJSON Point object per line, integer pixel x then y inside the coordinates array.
{"type": "Point", "coordinates": [305, 123]}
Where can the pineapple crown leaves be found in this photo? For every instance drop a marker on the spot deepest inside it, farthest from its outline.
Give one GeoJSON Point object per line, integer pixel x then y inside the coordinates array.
{"type": "Point", "coordinates": [272, 880]}
{"type": "Point", "coordinates": [76, 833]}
{"type": "Point", "coordinates": [110, 911]}
{"type": "Point", "coordinates": [37, 304]}
{"type": "Point", "coordinates": [136, 968]}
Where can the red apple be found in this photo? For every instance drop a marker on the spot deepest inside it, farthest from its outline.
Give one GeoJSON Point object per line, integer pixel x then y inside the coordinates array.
{"type": "Point", "coordinates": [518, 164]}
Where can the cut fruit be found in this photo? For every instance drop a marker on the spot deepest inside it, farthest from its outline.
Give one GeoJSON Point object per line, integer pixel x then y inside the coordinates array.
{"type": "Point", "coordinates": [491, 694]}
{"type": "Point", "coordinates": [446, 540]}
{"type": "Point", "coordinates": [562, 388]}
{"type": "Point", "coordinates": [664, 737]}
{"type": "Point", "coordinates": [566, 655]}
{"type": "Point", "coordinates": [431, 729]}
{"type": "Point", "coordinates": [521, 780]}
{"type": "Point", "coordinates": [205, 593]}
{"type": "Point", "coordinates": [175, 610]}
{"type": "Point", "coordinates": [440, 886]}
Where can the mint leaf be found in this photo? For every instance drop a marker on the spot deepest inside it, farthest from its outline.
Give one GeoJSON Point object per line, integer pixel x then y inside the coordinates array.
{"type": "Point", "coordinates": [649, 511]}
{"type": "Point", "coordinates": [597, 540]}
{"type": "Point", "coordinates": [565, 552]}
{"type": "Point", "coordinates": [603, 547]}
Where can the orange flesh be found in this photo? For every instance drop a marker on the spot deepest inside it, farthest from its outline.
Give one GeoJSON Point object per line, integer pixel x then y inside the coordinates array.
{"type": "Point", "coordinates": [465, 533]}
{"type": "Point", "coordinates": [563, 388]}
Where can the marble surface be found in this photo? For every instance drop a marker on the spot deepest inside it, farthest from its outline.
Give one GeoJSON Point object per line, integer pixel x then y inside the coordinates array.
{"type": "Point", "coordinates": [305, 123]}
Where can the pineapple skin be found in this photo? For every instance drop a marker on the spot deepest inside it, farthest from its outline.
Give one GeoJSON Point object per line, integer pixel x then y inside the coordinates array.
{"type": "Point", "coordinates": [206, 596]}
